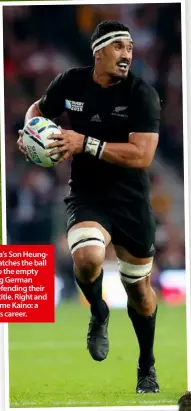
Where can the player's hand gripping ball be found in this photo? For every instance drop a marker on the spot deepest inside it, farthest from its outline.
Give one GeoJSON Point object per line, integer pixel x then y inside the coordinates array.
{"type": "Point", "coordinates": [67, 144]}
{"type": "Point", "coordinates": [35, 138]}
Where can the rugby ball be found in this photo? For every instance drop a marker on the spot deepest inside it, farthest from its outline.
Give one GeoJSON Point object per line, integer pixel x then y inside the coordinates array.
{"type": "Point", "coordinates": [35, 139]}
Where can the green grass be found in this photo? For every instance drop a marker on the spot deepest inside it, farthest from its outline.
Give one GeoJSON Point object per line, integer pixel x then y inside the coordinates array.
{"type": "Point", "coordinates": [50, 366]}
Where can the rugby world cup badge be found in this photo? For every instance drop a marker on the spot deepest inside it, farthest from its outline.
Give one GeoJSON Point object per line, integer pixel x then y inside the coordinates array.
{"type": "Point", "coordinates": [74, 105]}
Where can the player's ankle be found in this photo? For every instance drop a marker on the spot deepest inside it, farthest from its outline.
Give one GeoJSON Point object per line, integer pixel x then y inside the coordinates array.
{"type": "Point", "coordinates": [146, 363]}
{"type": "Point", "coordinates": [100, 310]}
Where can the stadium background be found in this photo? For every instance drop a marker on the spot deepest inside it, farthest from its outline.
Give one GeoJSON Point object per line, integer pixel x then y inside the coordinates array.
{"type": "Point", "coordinates": [40, 42]}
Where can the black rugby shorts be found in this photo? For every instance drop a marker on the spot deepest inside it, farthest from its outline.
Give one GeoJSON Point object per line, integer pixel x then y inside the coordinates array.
{"type": "Point", "coordinates": [130, 223]}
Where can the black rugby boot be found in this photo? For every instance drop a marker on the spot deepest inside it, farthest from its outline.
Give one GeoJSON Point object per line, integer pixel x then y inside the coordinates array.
{"type": "Point", "coordinates": [97, 338]}
{"type": "Point", "coordinates": [147, 381]}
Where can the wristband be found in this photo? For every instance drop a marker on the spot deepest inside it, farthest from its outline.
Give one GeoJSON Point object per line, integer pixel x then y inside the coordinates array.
{"type": "Point", "coordinates": [93, 146]}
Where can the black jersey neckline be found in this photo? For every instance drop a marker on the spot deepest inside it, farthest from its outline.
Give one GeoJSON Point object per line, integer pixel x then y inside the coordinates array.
{"type": "Point", "coordinates": [108, 89]}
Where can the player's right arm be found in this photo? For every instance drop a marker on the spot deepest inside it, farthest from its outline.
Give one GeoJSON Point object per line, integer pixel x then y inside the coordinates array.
{"type": "Point", "coordinates": [50, 105]}
{"type": "Point", "coordinates": [33, 111]}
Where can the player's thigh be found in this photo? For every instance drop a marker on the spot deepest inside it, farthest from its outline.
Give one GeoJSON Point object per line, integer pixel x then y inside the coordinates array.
{"type": "Point", "coordinates": [133, 229]}
{"type": "Point", "coordinates": [124, 255]}
{"type": "Point", "coordinates": [88, 233]}
{"type": "Point", "coordinates": [133, 239]}
{"type": "Point", "coordinates": [87, 242]}
{"type": "Point", "coordinates": [133, 236]}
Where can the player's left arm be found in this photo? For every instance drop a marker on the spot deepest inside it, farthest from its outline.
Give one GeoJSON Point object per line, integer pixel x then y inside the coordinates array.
{"type": "Point", "coordinates": [144, 132]}
{"type": "Point", "coordinates": [137, 153]}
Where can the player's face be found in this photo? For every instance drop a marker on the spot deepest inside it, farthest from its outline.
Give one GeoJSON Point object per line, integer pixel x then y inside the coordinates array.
{"type": "Point", "coordinates": [116, 58]}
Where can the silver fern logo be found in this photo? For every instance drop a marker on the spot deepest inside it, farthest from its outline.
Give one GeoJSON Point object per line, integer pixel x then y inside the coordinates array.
{"type": "Point", "coordinates": [119, 111]}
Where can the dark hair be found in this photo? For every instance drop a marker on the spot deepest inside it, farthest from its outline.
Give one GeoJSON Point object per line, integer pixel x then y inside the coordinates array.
{"type": "Point", "coordinates": [184, 402]}
{"type": "Point", "coordinates": [106, 27]}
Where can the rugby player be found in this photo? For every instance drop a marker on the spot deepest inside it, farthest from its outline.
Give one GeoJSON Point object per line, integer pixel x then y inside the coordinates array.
{"type": "Point", "coordinates": [114, 118]}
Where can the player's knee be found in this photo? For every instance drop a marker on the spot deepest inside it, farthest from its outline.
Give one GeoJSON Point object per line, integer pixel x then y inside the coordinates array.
{"type": "Point", "coordinates": [142, 297]}
{"type": "Point", "coordinates": [88, 262]}
{"type": "Point", "coordinates": [87, 246]}
{"type": "Point", "coordinates": [138, 292]}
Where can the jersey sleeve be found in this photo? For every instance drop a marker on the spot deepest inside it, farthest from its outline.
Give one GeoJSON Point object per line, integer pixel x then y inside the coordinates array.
{"type": "Point", "coordinates": [52, 103]}
{"type": "Point", "coordinates": [145, 110]}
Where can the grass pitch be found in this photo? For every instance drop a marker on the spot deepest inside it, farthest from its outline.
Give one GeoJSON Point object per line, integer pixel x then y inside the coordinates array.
{"type": "Point", "coordinates": [50, 366]}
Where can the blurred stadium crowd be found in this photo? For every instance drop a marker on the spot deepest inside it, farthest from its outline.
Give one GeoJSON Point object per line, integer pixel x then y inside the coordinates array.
{"type": "Point", "coordinates": [40, 42]}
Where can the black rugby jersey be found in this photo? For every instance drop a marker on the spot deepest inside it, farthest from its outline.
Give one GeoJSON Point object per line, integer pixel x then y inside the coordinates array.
{"type": "Point", "coordinates": [108, 114]}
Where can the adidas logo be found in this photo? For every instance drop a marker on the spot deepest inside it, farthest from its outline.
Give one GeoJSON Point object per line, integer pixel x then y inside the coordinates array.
{"type": "Point", "coordinates": [152, 248]}
{"type": "Point", "coordinates": [96, 118]}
